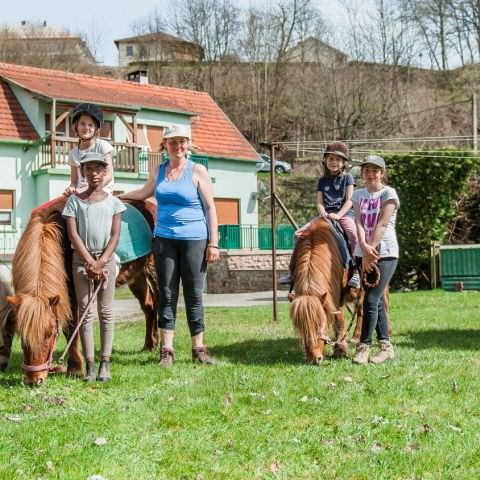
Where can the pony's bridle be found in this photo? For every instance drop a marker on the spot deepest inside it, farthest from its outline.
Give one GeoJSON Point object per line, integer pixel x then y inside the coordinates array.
{"type": "Point", "coordinates": [48, 364]}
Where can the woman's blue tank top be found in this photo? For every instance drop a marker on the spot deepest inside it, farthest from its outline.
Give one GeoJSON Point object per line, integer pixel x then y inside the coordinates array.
{"type": "Point", "coordinates": [180, 212]}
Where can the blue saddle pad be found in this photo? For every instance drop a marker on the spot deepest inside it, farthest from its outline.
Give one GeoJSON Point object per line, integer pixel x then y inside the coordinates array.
{"type": "Point", "coordinates": [135, 236]}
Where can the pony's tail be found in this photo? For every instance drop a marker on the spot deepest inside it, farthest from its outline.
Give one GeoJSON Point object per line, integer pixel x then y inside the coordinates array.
{"type": "Point", "coordinates": [309, 319]}
{"type": "Point", "coordinates": [151, 278]}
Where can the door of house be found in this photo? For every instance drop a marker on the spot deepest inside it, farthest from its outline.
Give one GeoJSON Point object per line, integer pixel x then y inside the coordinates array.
{"type": "Point", "coordinates": [228, 211]}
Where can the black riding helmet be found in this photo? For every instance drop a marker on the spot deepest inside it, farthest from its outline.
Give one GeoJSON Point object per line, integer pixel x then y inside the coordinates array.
{"type": "Point", "coordinates": [89, 109]}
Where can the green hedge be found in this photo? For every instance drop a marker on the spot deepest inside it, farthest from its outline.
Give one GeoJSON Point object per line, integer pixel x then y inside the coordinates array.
{"type": "Point", "coordinates": [429, 185]}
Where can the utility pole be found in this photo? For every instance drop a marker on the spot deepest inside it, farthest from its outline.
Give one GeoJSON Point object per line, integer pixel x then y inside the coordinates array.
{"type": "Point", "coordinates": [474, 123]}
{"type": "Point", "coordinates": [274, 233]}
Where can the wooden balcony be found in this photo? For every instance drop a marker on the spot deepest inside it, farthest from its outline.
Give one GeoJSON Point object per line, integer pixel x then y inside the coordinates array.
{"type": "Point", "coordinates": [128, 157]}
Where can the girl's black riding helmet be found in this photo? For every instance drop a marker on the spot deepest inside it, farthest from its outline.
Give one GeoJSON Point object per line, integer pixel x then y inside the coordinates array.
{"type": "Point", "coordinates": [88, 109]}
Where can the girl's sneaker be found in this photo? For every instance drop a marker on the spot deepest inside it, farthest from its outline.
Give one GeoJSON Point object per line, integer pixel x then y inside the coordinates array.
{"type": "Point", "coordinates": [361, 355]}
{"type": "Point", "coordinates": [354, 282]}
{"type": "Point", "coordinates": [385, 353]}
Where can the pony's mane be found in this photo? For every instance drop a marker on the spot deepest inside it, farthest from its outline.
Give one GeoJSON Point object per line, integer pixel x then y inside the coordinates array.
{"type": "Point", "coordinates": [39, 275]}
{"type": "Point", "coordinates": [319, 269]}
{"type": "Point", "coordinates": [318, 280]}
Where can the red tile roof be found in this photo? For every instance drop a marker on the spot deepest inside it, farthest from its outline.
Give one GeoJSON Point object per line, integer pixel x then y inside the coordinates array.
{"type": "Point", "coordinates": [212, 131]}
{"type": "Point", "coordinates": [14, 124]}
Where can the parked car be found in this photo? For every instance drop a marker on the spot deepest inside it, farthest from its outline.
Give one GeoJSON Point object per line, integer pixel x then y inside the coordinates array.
{"type": "Point", "coordinates": [280, 167]}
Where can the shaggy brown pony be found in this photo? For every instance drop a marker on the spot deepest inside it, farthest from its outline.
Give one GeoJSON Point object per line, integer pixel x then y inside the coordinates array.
{"type": "Point", "coordinates": [7, 325]}
{"type": "Point", "coordinates": [44, 295]}
{"type": "Point", "coordinates": [320, 281]}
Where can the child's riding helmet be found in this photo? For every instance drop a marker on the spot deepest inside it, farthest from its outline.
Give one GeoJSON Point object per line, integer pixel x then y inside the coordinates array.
{"type": "Point", "coordinates": [89, 109]}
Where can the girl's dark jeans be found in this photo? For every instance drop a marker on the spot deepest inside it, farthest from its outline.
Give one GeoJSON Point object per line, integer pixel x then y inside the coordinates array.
{"type": "Point", "coordinates": [185, 260]}
{"type": "Point", "coordinates": [374, 315]}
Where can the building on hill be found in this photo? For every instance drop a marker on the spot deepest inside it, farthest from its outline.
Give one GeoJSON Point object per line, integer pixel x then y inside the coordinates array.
{"type": "Point", "coordinates": [36, 136]}
{"type": "Point", "coordinates": [314, 50]}
{"type": "Point", "coordinates": [42, 44]}
{"type": "Point", "coordinates": [156, 47]}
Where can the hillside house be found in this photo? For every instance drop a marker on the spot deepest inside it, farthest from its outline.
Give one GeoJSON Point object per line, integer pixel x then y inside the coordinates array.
{"type": "Point", "coordinates": [156, 47]}
{"type": "Point", "coordinates": [39, 43]}
{"type": "Point", "coordinates": [36, 136]}
{"type": "Point", "coordinates": [314, 50]}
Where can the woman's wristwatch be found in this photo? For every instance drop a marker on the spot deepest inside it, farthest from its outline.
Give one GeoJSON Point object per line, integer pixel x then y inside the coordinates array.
{"type": "Point", "coordinates": [210, 245]}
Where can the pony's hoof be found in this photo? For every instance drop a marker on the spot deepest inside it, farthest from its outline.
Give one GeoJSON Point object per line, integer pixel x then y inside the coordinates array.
{"type": "Point", "coordinates": [354, 340]}
{"type": "Point", "coordinates": [75, 373]}
{"type": "Point", "coordinates": [316, 361]}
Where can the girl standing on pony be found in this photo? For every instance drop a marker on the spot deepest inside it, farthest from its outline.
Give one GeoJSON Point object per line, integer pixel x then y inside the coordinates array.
{"type": "Point", "coordinates": [87, 120]}
{"type": "Point", "coordinates": [334, 193]}
{"type": "Point", "coordinates": [93, 222]}
{"type": "Point", "coordinates": [375, 216]}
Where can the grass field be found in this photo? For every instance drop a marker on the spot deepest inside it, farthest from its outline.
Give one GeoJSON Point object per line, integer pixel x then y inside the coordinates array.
{"type": "Point", "coordinates": [261, 413]}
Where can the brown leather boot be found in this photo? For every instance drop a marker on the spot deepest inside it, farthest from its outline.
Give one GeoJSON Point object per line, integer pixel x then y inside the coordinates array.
{"type": "Point", "coordinates": [201, 355]}
{"type": "Point", "coordinates": [167, 357]}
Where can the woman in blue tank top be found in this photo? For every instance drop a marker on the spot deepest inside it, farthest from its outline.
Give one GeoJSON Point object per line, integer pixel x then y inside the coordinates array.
{"type": "Point", "coordinates": [185, 239]}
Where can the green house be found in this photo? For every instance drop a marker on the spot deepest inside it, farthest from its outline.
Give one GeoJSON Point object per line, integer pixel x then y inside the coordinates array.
{"type": "Point", "coordinates": [36, 136]}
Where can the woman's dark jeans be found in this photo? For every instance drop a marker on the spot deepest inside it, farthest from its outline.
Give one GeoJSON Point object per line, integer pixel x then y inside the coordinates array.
{"type": "Point", "coordinates": [185, 260]}
{"type": "Point", "coordinates": [374, 315]}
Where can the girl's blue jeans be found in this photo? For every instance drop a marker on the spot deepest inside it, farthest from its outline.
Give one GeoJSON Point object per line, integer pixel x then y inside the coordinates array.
{"type": "Point", "coordinates": [374, 314]}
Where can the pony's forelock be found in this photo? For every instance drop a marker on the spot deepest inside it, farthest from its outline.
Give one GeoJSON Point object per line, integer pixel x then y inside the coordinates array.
{"type": "Point", "coordinates": [31, 324]}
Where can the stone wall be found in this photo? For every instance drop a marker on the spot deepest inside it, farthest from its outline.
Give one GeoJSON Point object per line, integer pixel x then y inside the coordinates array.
{"type": "Point", "coordinates": [240, 271]}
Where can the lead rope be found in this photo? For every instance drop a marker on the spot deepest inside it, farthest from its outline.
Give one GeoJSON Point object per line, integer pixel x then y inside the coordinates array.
{"type": "Point", "coordinates": [91, 296]}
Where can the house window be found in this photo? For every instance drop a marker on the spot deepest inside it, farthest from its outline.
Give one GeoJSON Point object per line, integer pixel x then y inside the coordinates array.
{"type": "Point", "coordinates": [60, 130]}
{"type": "Point", "coordinates": [6, 207]}
{"type": "Point", "coordinates": [129, 50]}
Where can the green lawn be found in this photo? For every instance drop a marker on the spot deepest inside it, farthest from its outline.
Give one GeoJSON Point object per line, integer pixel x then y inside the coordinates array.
{"type": "Point", "coordinates": [261, 412]}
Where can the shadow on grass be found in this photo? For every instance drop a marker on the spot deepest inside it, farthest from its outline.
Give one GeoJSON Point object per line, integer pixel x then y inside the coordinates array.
{"type": "Point", "coordinates": [448, 339]}
{"type": "Point", "coordinates": [261, 352]}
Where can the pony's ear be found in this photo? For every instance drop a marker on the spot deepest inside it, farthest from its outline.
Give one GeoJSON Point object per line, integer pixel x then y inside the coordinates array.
{"type": "Point", "coordinates": [53, 301]}
{"type": "Point", "coordinates": [14, 300]}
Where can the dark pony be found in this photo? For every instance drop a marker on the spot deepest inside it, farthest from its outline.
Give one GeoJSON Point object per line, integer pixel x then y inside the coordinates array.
{"type": "Point", "coordinates": [44, 293]}
{"type": "Point", "coordinates": [320, 286]}
{"type": "Point", "coordinates": [7, 325]}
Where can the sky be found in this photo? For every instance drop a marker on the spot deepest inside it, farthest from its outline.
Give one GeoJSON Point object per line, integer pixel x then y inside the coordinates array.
{"type": "Point", "coordinates": [113, 18]}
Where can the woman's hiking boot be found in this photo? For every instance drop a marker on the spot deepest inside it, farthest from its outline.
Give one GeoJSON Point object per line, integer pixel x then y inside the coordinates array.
{"type": "Point", "coordinates": [167, 357]}
{"type": "Point", "coordinates": [201, 355]}
{"type": "Point", "coordinates": [104, 371]}
{"type": "Point", "coordinates": [90, 375]}
{"type": "Point", "coordinates": [385, 353]}
{"type": "Point", "coordinates": [361, 354]}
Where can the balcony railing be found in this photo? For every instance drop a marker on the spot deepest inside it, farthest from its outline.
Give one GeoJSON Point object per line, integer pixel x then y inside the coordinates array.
{"type": "Point", "coordinates": [127, 157]}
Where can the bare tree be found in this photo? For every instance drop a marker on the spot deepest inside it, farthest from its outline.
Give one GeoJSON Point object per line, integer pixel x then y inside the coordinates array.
{"type": "Point", "coordinates": [212, 24]}
{"type": "Point", "coordinates": [433, 21]}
